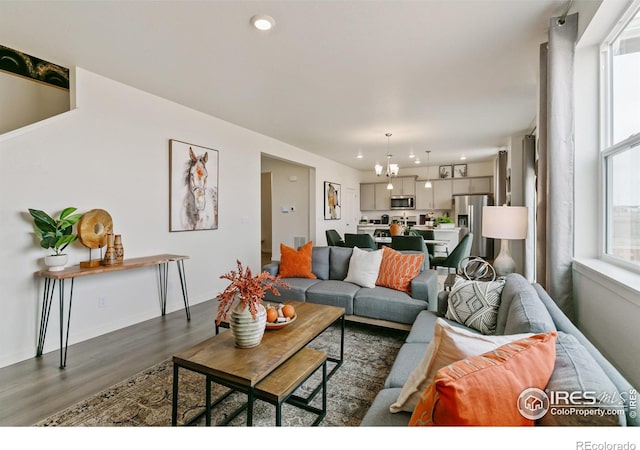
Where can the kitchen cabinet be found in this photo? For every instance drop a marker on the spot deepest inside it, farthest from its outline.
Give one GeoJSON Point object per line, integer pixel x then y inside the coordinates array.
{"type": "Point", "coordinates": [424, 197]}
{"type": "Point", "coordinates": [376, 196]}
{"type": "Point", "coordinates": [442, 192]}
{"type": "Point", "coordinates": [452, 235]}
{"type": "Point", "coordinates": [437, 198]}
{"type": "Point", "coordinates": [367, 197]}
{"type": "Point", "coordinates": [475, 185]}
{"type": "Point", "coordinates": [404, 186]}
{"type": "Point", "coordinates": [370, 229]}
{"type": "Point", "coordinates": [383, 197]}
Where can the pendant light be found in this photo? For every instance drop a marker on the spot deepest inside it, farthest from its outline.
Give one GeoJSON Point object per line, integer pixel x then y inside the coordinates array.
{"type": "Point", "coordinates": [428, 184]}
{"type": "Point", "coordinates": [392, 169]}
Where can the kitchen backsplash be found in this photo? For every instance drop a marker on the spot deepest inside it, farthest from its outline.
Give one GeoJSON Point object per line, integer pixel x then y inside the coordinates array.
{"type": "Point", "coordinates": [412, 216]}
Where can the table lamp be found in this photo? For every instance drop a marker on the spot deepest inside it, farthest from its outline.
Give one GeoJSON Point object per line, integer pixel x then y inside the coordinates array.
{"type": "Point", "coordinates": [505, 223]}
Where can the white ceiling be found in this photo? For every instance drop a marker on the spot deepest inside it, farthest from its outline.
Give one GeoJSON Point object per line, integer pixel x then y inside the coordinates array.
{"type": "Point", "coordinates": [455, 77]}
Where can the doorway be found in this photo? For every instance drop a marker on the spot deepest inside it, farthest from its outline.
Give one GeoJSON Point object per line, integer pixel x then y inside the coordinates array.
{"type": "Point", "coordinates": [266, 180]}
{"type": "Point", "coordinates": [288, 205]}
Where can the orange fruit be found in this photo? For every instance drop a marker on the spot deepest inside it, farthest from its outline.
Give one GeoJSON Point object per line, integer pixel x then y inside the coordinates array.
{"type": "Point", "coordinates": [288, 311]}
{"type": "Point", "coordinates": [272, 314]}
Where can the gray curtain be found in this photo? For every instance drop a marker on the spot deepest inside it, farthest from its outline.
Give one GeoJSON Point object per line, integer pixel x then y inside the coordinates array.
{"type": "Point", "coordinates": [541, 174]}
{"type": "Point", "coordinates": [556, 163]}
{"type": "Point", "coordinates": [501, 182]}
{"type": "Point", "coordinates": [530, 199]}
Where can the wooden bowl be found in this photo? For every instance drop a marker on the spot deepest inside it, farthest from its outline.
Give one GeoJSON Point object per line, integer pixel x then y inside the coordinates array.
{"type": "Point", "coordinates": [277, 326]}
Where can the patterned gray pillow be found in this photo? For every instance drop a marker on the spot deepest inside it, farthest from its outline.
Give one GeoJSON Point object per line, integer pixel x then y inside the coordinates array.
{"type": "Point", "coordinates": [475, 304]}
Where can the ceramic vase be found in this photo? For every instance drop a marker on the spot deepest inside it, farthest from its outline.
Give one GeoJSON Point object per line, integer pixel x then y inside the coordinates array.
{"type": "Point", "coordinates": [395, 229]}
{"type": "Point", "coordinates": [56, 263]}
{"type": "Point", "coordinates": [246, 330]}
{"type": "Point", "coordinates": [119, 249]}
{"type": "Point", "coordinates": [110, 253]}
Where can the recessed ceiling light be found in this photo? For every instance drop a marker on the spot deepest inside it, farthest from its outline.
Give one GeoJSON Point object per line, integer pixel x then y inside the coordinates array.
{"type": "Point", "coordinates": [263, 22]}
{"type": "Point", "coordinates": [417, 161]}
{"type": "Point", "coordinates": [411, 155]}
{"type": "Point", "coordinates": [360, 156]}
{"type": "Point", "coordinates": [463, 157]}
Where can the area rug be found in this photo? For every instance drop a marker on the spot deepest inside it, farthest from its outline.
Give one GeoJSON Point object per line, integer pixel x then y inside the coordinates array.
{"type": "Point", "coordinates": [145, 399]}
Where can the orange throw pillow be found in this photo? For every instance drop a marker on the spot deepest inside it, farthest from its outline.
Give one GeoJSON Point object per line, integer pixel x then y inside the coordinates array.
{"type": "Point", "coordinates": [296, 263]}
{"type": "Point", "coordinates": [483, 390]}
{"type": "Point", "coordinates": [398, 269]}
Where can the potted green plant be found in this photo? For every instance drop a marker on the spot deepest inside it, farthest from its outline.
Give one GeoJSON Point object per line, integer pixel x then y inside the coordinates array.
{"type": "Point", "coordinates": [55, 234]}
{"type": "Point", "coordinates": [444, 222]}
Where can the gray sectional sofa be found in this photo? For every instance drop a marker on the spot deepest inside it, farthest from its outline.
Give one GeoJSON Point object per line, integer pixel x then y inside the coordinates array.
{"type": "Point", "coordinates": [524, 308]}
{"type": "Point", "coordinates": [331, 264]}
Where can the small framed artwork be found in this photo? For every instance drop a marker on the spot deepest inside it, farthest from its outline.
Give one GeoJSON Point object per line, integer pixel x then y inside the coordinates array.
{"type": "Point", "coordinates": [331, 201]}
{"type": "Point", "coordinates": [193, 187]}
{"type": "Point", "coordinates": [459, 170]}
{"type": "Point", "coordinates": [445, 171]}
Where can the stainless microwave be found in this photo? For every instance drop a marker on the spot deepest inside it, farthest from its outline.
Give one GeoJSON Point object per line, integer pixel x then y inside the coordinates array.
{"type": "Point", "coordinates": [403, 202]}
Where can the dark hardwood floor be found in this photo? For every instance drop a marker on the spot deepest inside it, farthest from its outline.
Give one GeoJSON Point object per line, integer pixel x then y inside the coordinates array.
{"type": "Point", "coordinates": [36, 388]}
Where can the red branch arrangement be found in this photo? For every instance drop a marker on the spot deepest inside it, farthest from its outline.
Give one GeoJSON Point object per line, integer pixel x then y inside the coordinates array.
{"type": "Point", "coordinates": [250, 288]}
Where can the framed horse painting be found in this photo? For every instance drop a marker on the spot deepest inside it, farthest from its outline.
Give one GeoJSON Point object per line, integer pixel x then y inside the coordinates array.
{"type": "Point", "coordinates": [331, 201]}
{"type": "Point", "coordinates": [193, 187]}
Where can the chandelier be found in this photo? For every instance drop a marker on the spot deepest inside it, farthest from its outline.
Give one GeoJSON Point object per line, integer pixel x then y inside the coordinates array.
{"type": "Point", "coordinates": [392, 169]}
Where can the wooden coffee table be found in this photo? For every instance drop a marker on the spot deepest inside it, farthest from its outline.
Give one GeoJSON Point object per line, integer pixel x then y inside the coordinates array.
{"type": "Point", "coordinates": [242, 369]}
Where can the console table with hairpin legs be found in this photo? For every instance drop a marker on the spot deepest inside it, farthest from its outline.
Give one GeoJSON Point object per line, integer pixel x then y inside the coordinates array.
{"type": "Point", "coordinates": [73, 272]}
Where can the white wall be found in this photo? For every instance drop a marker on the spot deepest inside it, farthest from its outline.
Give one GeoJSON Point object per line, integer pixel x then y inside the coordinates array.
{"type": "Point", "coordinates": [27, 101]}
{"type": "Point", "coordinates": [608, 313]}
{"type": "Point", "coordinates": [112, 153]}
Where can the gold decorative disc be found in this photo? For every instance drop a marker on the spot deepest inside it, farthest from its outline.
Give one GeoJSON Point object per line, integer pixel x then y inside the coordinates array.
{"type": "Point", "coordinates": [93, 227]}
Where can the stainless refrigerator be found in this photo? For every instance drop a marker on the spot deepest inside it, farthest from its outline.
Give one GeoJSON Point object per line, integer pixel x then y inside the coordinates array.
{"type": "Point", "coordinates": [467, 213]}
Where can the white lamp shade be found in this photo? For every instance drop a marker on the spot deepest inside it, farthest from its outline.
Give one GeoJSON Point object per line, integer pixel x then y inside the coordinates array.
{"type": "Point", "coordinates": [378, 168]}
{"type": "Point", "coordinates": [427, 184]}
{"type": "Point", "coordinates": [505, 222]}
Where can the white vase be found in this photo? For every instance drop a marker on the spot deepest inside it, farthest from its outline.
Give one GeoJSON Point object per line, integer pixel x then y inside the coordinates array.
{"type": "Point", "coordinates": [56, 263]}
{"type": "Point", "coordinates": [246, 330]}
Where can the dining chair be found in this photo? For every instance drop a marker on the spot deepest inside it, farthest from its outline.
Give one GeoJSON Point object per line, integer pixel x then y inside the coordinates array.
{"type": "Point", "coordinates": [360, 240]}
{"type": "Point", "coordinates": [452, 260]}
{"type": "Point", "coordinates": [429, 235]}
{"type": "Point", "coordinates": [333, 238]}
{"type": "Point", "coordinates": [415, 242]}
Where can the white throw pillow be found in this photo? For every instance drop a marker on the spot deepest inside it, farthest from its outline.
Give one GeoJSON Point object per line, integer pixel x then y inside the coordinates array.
{"type": "Point", "coordinates": [364, 267]}
{"type": "Point", "coordinates": [449, 344]}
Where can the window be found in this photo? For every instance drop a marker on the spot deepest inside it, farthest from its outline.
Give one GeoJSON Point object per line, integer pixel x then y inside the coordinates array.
{"type": "Point", "coordinates": [621, 140]}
